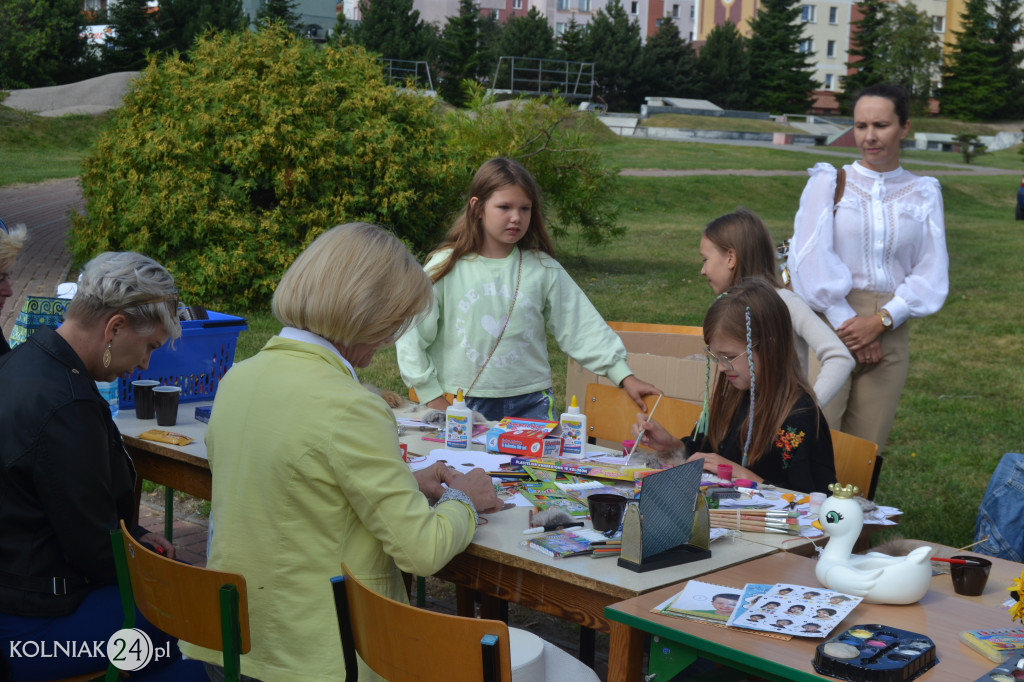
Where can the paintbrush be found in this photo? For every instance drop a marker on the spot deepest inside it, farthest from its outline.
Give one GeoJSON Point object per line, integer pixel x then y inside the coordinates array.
{"type": "Point", "coordinates": [726, 518]}
{"type": "Point", "coordinates": [962, 562]}
{"type": "Point", "coordinates": [762, 513]}
{"type": "Point", "coordinates": [639, 437]}
{"type": "Point", "coordinates": [755, 527]}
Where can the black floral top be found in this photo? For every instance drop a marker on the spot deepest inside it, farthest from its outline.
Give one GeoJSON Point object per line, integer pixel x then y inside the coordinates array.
{"type": "Point", "coordinates": [800, 458]}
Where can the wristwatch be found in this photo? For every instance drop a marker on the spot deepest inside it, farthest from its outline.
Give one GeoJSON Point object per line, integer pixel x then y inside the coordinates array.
{"type": "Point", "coordinates": [886, 318]}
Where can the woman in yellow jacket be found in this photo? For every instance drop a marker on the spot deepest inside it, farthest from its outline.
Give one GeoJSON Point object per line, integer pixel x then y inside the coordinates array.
{"type": "Point", "coordinates": [306, 467]}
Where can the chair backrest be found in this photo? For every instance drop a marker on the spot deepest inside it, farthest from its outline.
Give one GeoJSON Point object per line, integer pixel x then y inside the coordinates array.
{"type": "Point", "coordinates": [655, 328]}
{"type": "Point", "coordinates": [205, 607]}
{"type": "Point", "coordinates": [857, 462]}
{"type": "Point", "coordinates": [611, 412]}
{"type": "Point", "coordinates": [402, 643]}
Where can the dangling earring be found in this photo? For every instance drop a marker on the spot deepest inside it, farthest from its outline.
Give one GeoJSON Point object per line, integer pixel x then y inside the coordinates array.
{"type": "Point", "coordinates": [106, 355]}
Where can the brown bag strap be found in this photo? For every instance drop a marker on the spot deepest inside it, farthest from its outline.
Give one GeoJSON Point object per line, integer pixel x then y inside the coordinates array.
{"type": "Point", "coordinates": [840, 187]}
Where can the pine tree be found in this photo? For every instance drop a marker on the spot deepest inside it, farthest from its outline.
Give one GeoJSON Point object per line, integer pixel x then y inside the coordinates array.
{"type": "Point", "coordinates": [723, 68]}
{"type": "Point", "coordinates": [458, 52]}
{"type": "Point", "coordinates": [1009, 31]}
{"type": "Point", "coordinates": [134, 36]}
{"type": "Point", "coordinates": [392, 29]}
{"type": "Point", "coordinates": [282, 11]}
{"type": "Point", "coordinates": [41, 43]}
{"type": "Point", "coordinates": [181, 22]}
{"type": "Point", "coordinates": [868, 36]}
{"type": "Point", "coordinates": [912, 56]}
{"type": "Point", "coordinates": [527, 36]}
{"type": "Point", "coordinates": [614, 43]}
{"type": "Point", "coordinates": [781, 75]}
{"type": "Point", "coordinates": [671, 63]}
{"type": "Point", "coordinates": [974, 85]}
{"type": "Point", "coordinates": [572, 44]}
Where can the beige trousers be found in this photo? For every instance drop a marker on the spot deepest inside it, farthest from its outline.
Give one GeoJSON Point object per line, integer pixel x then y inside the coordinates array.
{"type": "Point", "coordinates": [866, 404]}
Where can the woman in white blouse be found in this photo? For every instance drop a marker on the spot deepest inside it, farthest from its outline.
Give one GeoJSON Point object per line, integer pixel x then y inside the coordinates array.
{"type": "Point", "coordinates": [872, 261]}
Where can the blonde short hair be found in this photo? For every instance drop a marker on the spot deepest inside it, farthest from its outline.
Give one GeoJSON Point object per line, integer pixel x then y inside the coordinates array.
{"type": "Point", "coordinates": [356, 283]}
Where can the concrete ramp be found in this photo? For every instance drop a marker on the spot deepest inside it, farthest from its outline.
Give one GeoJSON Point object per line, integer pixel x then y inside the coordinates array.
{"type": "Point", "coordinates": [93, 96]}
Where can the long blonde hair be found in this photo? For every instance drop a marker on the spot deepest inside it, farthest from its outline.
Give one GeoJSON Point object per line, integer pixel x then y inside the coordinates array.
{"type": "Point", "coordinates": [745, 234]}
{"type": "Point", "coordinates": [467, 233]}
{"type": "Point", "coordinates": [753, 312]}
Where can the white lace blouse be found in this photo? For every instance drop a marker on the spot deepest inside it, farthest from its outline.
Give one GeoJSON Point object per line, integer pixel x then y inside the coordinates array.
{"type": "Point", "coordinates": [888, 235]}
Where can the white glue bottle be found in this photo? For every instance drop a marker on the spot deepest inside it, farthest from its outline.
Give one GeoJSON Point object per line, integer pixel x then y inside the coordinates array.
{"type": "Point", "coordinates": [574, 432]}
{"type": "Point", "coordinates": [458, 424]}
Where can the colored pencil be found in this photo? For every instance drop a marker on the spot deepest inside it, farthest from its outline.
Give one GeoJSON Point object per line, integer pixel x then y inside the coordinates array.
{"type": "Point", "coordinates": [755, 527]}
{"type": "Point", "coordinates": [726, 518]}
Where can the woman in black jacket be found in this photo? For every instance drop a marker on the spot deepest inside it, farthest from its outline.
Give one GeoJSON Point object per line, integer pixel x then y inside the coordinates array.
{"type": "Point", "coordinates": [65, 478]}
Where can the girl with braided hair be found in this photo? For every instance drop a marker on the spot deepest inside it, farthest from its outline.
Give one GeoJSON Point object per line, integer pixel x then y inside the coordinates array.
{"type": "Point", "coordinates": [749, 338]}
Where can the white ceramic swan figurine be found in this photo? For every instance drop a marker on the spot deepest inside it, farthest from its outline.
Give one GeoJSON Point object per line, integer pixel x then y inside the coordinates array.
{"type": "Point", "coordinates": [878, 578]}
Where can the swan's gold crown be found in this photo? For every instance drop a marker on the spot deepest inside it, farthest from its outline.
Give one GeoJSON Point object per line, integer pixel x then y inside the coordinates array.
{"type": "Point", "coordinates": [843, 492]}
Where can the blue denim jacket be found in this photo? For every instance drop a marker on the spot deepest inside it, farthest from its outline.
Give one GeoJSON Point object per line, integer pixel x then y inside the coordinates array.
{"type": "Point", "coordinates": [1001, 513]}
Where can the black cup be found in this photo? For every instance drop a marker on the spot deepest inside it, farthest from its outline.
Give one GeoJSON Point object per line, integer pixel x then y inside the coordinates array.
{"type": "Point", "coordinates": [606, 510]}
{"type": "Point", "coordinates": [969, 579]}
{"type": "Point", "coordinates": [165, 400]}
{"type": "Point", "coordinates": [142, 389]}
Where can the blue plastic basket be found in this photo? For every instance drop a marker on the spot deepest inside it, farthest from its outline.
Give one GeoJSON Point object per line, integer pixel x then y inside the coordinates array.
{"type": "Point", "coordinates": [196, 363]}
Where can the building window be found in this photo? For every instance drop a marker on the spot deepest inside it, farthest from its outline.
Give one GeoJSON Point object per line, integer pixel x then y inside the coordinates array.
{"type": "Point", "coordinates": [560, 28]}
{"type": "Point", "coordinates": [833, 15]}
{"type": "Point", "coordinates": [939, 24]}
{"type": "Point", "coordinates": [634, 8]}
{"type": "Point", "coordinates": [807, 46]}
{"type": "Point", "coordinates": [584, 5]}
{"type": "Point", "coordinates": [828, 81]}
{"type": "Point", "coordinates": [693, 11]}
{"type": "Point", "coordinates": [563, 5]}
{"type": "Point", "coordinates": [830, 49]}
{"type": "Point", "coordinates": [675, 11]}
{"type": "Point", "coordinates": [517, 4]}
{"type": "Point", "coordinates": [808, 13]}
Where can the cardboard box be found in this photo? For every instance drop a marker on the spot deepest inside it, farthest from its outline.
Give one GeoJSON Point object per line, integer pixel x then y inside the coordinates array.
{"type": "Point", "coordinates": [675, 363]}
{"type": "Point", "coordinates": [533, 444]}
{"type": "Point", "coordinates": [508, 424]}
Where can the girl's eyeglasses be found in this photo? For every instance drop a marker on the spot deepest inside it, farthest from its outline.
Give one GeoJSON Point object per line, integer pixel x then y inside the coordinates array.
{"type": "Point", "coordinates": [724, 360]}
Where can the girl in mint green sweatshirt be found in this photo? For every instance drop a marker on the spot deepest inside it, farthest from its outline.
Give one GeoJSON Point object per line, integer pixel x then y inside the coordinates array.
{"type": "Point", "coordinates": [497, 289]}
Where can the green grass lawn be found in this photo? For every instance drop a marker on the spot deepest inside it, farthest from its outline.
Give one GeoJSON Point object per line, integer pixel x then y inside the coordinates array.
{"type": "Point", "coordinates": [36, 148]}
{"type": "Point", "coordinates": [964, 399]}
{"type": "Point", "coordinates": [694, 122]}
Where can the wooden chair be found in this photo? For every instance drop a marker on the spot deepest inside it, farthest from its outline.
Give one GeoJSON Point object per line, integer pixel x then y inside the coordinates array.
{"type": "Point", "coordinates": [611, 412]}
{"type": "Point", "coordinates": [404, 644]}
{"type": "Point", "coordinates": [857, 462]}
{"type": "Point", "coordinates": [205, 607]}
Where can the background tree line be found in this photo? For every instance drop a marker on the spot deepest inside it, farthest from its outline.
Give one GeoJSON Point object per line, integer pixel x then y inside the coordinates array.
{"type": "Point", "coordinates": [980, 71]}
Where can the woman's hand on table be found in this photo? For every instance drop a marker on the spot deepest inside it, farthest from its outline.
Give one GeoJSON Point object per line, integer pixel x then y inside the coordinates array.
{"type": "Point", "coordinates": [713, 459]}
{"type": "Point", "coordinates": [637, 389]}
{"type": "Point", "coordinates": [655, 436]}
{"type": "Point", "coordinates": [478, 485]}
{"type": "Point", "coordinates": [159, 544]}
{"type": "Point", "coordinates": [431, 478]}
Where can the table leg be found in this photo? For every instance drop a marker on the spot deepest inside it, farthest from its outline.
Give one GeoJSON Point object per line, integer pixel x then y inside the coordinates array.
{"type": "Point", "coordinates": [667, 659]}
{"type": "Point", "coordinates": [169, 513]}
{"type": "Point", "coordinates": [465, 602]}
{"type": "Point", "coordinates": [587, 645]}
{"type": "Point", "coordinates": [625, 653]}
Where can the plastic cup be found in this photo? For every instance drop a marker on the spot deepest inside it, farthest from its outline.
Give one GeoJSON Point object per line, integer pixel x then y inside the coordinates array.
{"type": "Point", "coordinates": [725, 472]}
{"type": "Point", "coordinates": [606, 510]}
{"type": "Point", "coordinates": [627, 447]}
{"type": "Point", "coordinates": [969, 579]}
{"type": "Point", "coordinates": [142, 389]}
{"type": "Point", "coordinates": [165, 401]}
{"type": "Point", "coordinates": [815, 502]}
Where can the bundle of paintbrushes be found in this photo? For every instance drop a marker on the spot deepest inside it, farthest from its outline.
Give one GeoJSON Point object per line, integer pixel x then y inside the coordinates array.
{"type": "Point", "coordinates": [757, 520]}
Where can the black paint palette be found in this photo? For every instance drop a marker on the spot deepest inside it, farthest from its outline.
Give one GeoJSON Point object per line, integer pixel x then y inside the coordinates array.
{"type": "Point", "coordinates": [875, 653]}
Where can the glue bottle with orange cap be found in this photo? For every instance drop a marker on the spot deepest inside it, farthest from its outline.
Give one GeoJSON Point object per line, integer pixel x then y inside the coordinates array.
{"type": "Point", "coordinates": [458, 424]}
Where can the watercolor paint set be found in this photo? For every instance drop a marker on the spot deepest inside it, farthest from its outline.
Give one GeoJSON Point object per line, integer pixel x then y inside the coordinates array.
{"type": "Point", "coordinates": [875, 653]}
